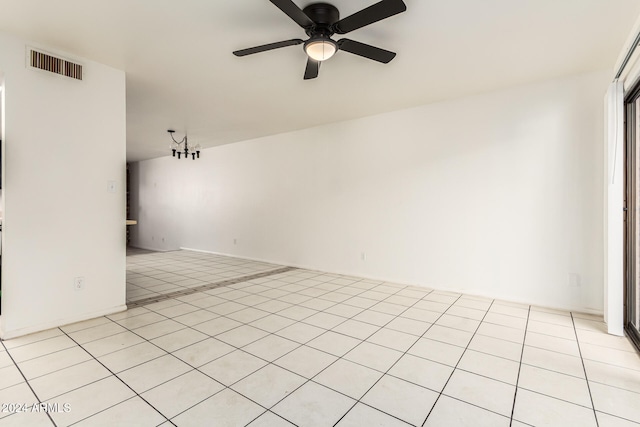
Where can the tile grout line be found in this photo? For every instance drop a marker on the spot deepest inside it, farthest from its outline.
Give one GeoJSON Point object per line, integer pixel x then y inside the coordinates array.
{"type": "Point", "coordinates": [165, 281]}
{"type": "Point", "coordinates": [363, 291]}
{"type": "Point", "coordinates": [204, 267]}
{"type": "Point", "coordinates": [276, 313]}
{"type": "Point", "coordinates": [225, 387]}
{"type": "Point", "coordinates": [244, 323]}
{"type": "Point", "coordinates": [299, 345]}
{"type": "Point", "coordinates": [272, 299]}
{"type": "Point", "coordinates": [198, 368]}
{"type": "Point", "coordinates": [586, 377]}
{"type": "Point", "coordinates": [133, 330]}
{"type": "Point", "coordinates": [308, 380]}
{"type": "Point", "coordinates": [359, 400]}
{"type": "Point", "coordinates": [206, 287]}
{"type": "Point", "coordinates": [457, 363]}
{"type": "Point", "coordinates": [123, 382]}
{"type": "Point", "coordinates": [515, 395]}
{"type": "Point", "coordinates": [301, 321]}
{"type": "Point", "coordinates": [303, 344]}
{"type": "Point", "coordinates": [26, 382]}
{"type": "Point", "coordinates": [407, 350]}
{"type": "Point", "coordinates": [175, 278]}
{"type": "Point", "coordinates": [172, 318]}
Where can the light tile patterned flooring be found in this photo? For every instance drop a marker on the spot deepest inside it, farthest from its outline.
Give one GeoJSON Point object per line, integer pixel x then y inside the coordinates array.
{"type": "Point", "coordinates": [308, 348]}
{"type": "Point", "coordinates": [151, 274]}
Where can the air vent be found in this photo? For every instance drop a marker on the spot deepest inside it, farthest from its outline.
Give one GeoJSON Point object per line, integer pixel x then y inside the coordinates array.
{"type": "Point", "coordinates": [52, 64]}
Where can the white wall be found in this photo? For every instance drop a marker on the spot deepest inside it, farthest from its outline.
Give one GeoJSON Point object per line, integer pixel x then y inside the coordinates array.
{"type": "Point", "coordinates": [63, 141]}
{"type": "Point", "coordinates": [499, 194]}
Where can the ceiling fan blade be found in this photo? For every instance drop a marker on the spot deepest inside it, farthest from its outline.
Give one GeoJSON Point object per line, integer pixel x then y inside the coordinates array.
{"type": "Point", "coordinates": [265, 47]}
{"type": "Point", "coordinates": [371, 14]}
{"type": "Point", "coordinates": [294, 12]}
{"type": "Point", "coordinates": [313, 67]}
{"type": "Point", "coordinates": [366, 50]}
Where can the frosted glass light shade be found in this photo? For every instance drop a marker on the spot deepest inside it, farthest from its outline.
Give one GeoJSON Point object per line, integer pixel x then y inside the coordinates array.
{"type": "Point", "coordinates": [321, 50]}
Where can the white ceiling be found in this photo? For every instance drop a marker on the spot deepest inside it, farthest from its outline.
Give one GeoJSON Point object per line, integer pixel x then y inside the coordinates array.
{"type": "Point", "coordinates": [181, 73]}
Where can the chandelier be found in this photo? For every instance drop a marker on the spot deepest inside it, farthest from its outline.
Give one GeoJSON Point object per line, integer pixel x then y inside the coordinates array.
{"type": "Point", "coordinates": [176, 147]}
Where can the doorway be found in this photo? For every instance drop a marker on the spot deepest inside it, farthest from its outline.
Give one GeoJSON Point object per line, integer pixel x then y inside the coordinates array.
{"type": "Point", "coordinates": [632, 216]}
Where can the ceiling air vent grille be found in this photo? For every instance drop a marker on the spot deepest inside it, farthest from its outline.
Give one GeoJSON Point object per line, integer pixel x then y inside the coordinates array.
{"type": "Point", "coordinates": [50, 63]}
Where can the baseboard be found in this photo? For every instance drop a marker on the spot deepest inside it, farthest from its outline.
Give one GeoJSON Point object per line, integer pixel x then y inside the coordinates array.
{"type": "Point", "coordinates": [404, 282]}
{"type": "Point", "coordinates": [279, 264]}
{"type": "Point", "coordinates": [7, 335]}
{"type": "Point", "coordinates": [147, 248]}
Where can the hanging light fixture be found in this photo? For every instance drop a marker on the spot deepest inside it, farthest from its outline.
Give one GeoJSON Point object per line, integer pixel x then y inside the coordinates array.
{"type": "Point", "coordinates": [176, 147]}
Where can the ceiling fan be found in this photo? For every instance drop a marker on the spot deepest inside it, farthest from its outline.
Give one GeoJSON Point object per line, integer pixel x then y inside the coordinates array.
{"type": "Point", "coordinates": [321, 21]}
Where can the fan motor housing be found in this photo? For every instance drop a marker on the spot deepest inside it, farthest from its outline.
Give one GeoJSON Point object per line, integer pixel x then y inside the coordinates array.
{"type": "Point", "coordinates": [322, 13]}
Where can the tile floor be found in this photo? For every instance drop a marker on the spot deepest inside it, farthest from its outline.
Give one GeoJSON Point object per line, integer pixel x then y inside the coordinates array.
{"type": "Point", "coordinates": [151, 274]}
{"type": "Point", "coordinates": [308, 348]}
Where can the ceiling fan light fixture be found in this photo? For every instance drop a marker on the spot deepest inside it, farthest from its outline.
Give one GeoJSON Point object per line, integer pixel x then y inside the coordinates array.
{"type": "Point", "coordinates": [320, 48]}
{"type": "Point", "coordinates": [322, 20]}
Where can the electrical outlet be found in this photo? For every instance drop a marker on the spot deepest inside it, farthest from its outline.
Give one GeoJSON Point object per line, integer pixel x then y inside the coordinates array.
{"type": "Point", "coordinates": [78, 283]}
{"type": "Point", "coordinates": [111, 186]}
{"type": "Point", "coordinates": [235, 241]}
{"type": "Point", "coordinates": [363, 256]}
